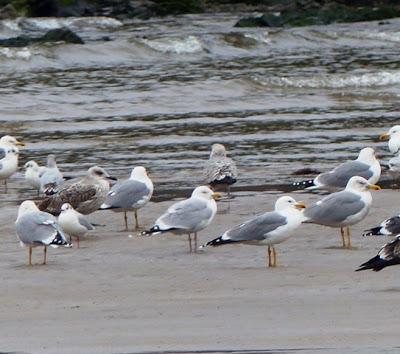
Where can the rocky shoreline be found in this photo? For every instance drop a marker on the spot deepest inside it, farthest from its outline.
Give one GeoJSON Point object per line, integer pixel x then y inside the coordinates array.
{"type": "Point", "coordinates": [275, 13]}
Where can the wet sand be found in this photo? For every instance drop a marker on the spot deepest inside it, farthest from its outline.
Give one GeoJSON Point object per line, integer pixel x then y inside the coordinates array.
{"type": "Point", "coordinates": [132, 294]}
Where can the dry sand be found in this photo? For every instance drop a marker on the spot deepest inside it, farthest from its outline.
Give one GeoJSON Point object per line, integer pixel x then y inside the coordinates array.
{"type": "Point", "coordinates": [120, 294]}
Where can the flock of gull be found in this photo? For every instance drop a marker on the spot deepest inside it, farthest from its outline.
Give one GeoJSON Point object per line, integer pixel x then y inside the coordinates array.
{"type": "Point", "coordinates": [63, 204]}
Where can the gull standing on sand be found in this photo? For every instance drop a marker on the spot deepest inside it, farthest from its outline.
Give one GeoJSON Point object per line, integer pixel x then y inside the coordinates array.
{"type": "Point", "coordinates": [220, 170]}
{"type": "Point", "coordinates": [388, 255]}
{"type": "Point", "coordinates": [36, 228]}
{"type": "Point", "coordinates": [85, 194]}
{"type": "Point", "coordinates": [342, 209]}
{"type": "Point", "coordinates": [51, 177]}
{"type": "Point", "coordinates": [32, 174]}
{"type": "Point", "coordinates": [8, 157]}
{"type": "Point", "coordinates": [267, 229]}
{"type": "Point", "coordinates": [131, 194]}
{"type": "Point", "coordinates": [73, 223]}
{"type": "Point", "coordinates": [388, 227]}
{"type": "Point", "coordinates": [366, 165]}
{"type": "Point", "coordinates": [188, 216]}
{"type": "Point", "coordinates": [393, 135]}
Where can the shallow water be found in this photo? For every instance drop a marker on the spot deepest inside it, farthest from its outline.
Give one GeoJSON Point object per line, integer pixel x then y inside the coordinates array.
{"type": "Point", "coordinates": [158, 93]}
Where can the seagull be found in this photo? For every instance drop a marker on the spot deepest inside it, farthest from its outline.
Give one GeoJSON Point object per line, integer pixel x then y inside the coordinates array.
{"type": "Point", "coordinates": [36, 228]}
{"type": "Point", "coordinates": [342, 209]}
{"type": "Point", "coordinates": [393, 135]}
{"type": "Point", "coordinates": [188, 216]}
{"type": "Point", "coordinates": [51, 176]}
{"type": "Point", "coordinates": [73, 223]}
{"type": "Point", "coordinates": [32, 174]}
{"type": "Point", "coordinates": [131, 194]}
{"type": "Point", "coordinates": [388, 255]}
{"type": "Point", "coordinates": [266, 229]}
{"type": "Point", "coordinates": [85, 194]}
{"type": "Point", "coordinates": [366, 165]}
{"type": "Point", "coordinates": [219, 169]}
{"type": "Point", "coordinates": [388, 227]}
{"type": "Point", "coordinates": [8, 163]}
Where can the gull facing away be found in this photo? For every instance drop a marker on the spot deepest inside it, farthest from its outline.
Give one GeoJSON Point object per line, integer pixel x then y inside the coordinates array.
{"type": "Point", "coordinates": [267, 229]}
{"type": "Point", "coordinates": [220, 170]}
{"type": "Point", "coordinates": [36, 228]}
{"type": "Point", "coordinates": [388, 227]}
{"type": "Point", "coordinates": [188, 216]}
{"type": "Point", "coordinates": [342, 209]}
{"type": "Point", "coordinates": [73, 223]}
{"type": "Point", "coordinates": [32, 174]}
{"type": "Point", "coordinates": [366, 165]}
{"type": "Point", "coordinates": [393, 135]}
{"type": "Point", "coordinates": [131, 194]}
{"type": "Point", "coordinates": [388, 255]}
{"type": "Point", "coordinates": [9, 153]}
{"type": "Point", "coordinates": [85, 194]}
{"type": "Point", "coordinates": [51, 177]}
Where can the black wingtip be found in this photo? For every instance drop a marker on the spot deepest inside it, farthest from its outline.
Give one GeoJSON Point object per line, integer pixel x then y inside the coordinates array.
{"type": "Point", "coordinates": [219, 241]}
{"type": "Point", "coordinates": [226, 180]}
{"type": "Point", "coordinates": [155, 229]}
{"type": "Point", "coordinates": [376, 264]}
{"type": "Point", "coordinates": [304, 184]}
{"type": "Point", "coordinates": [60, 240]}
{"type": "Point", "coordinates": [375, 231]}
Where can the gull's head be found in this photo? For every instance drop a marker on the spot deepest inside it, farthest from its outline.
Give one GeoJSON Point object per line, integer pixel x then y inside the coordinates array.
{"type": "Point", "coordinates": [391, 132]}
{"type": "Point", "coordinates": [287, 202]}
{"type": "Point", "coordinates": [66, 206]}
{"type": "Point", "coordinates": [205, 193]}
{"type": "Point", "coordinates": [366, 155]}
{"type": "Point", "coordinates": [139, 172]}
{"type": "Point", "coordinates": [27, 206]}
{"type": "Point", "coordinates": [218, 150]}
{"type": "Point", "coordinates": [51, 161]}
{"type": "Point", "coordinates": [101, 173]}
{"type": "Point", "coordinates": [31, 165]}
{"type": "Point", "coordinates": [11, 141]}
{"type": "Point", "coordinates": [11, 151]}
{"type": "Point", "coordinates": [360, 184]}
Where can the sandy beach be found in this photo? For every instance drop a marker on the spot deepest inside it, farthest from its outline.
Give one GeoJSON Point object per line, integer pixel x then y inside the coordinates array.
{"type": "Point", "coordinates": [125, 294]}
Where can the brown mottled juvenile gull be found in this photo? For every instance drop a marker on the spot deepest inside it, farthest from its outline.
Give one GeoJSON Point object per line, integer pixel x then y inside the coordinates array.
{"type": "Point", "coordinates": [267, 229]}
{"type": "Point", "coordinates": [85, 194]}
{"type": "Point", "coordinates": [220, 170]}
{"type": "Point", "coordinates": [188, 216]}
{"type": "Point", "coordinates": [131, 194]}
{"type": "Point", "coordinates": [388, 255]}
{"type": "Point", "coordinates": [73, 223]}
{"type": "Point", "coordinates": [342, 209]}
{"type": "Point", "coordinates": [366, 165]}
{"type": "Point", "coordinates": [393, 135]}
{"type": "Point", "coordinates": [388, 227]}
{"type": "Point", "coordinates": [37, 228]}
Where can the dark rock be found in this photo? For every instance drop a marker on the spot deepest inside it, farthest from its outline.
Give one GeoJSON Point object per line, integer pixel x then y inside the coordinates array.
{"type": "Point", "coordinates": [8, 12]}
{"type": "Point", "coordinates": [266, 20]}
{"type": "Point", "coordinates": [55, 35]}
{"type": "Point", "coordinates": [176, 7]}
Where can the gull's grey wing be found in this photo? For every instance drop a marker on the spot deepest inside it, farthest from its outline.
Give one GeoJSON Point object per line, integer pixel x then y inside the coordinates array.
{"type": "Point", "coordinates": [37, 228]}
{"type": "Point", "coordinates": [220, 169]}
{"type": "Point", "coordinates": [187, 214]}
{"type": "Point", "coordinates": [84, 222]}
{"type": "Point", "coordinates": [3, 152]}
{"type": "Point", "coordinates": [256, 229]}
{"type": "Point", "coordinates": [339, 176]}
{"type": "Point", "coordinates": [127, 194]}
{"type": "Point", "coordinates": [51, 175]}
{"type": "Point", "coordinates": [334, 208]}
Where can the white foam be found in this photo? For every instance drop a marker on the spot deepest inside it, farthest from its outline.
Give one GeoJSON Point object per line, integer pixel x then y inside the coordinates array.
{"type": "Point", "coordinates": [16, 53]}
{"type": "Point", "coordinates": [382, 78]}
{"type": "Point", "coordinates": [175, 45]}
{"type": "Point", "coordinates": [261, 37]}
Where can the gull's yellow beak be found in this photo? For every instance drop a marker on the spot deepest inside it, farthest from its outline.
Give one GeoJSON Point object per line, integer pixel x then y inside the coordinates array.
{"type": "Point", "coordinates": [374, 187]}
{"type": "Point", "coordinates": [299, 205]}
{"type": "Point", "coordinates": [216, 196]}
{"type": "Point", "coordinates": [384, 136]}
{"type": "Point", "coordinates": [19, 143]}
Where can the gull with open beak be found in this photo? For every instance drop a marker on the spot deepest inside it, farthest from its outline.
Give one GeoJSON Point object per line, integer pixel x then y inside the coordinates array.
{"type": "Point", "coordinates": [188, 216]}
{"type": "Point", "coordinates": [344, 208]}
{"type": "Point", "coordinates": [267, 229]}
